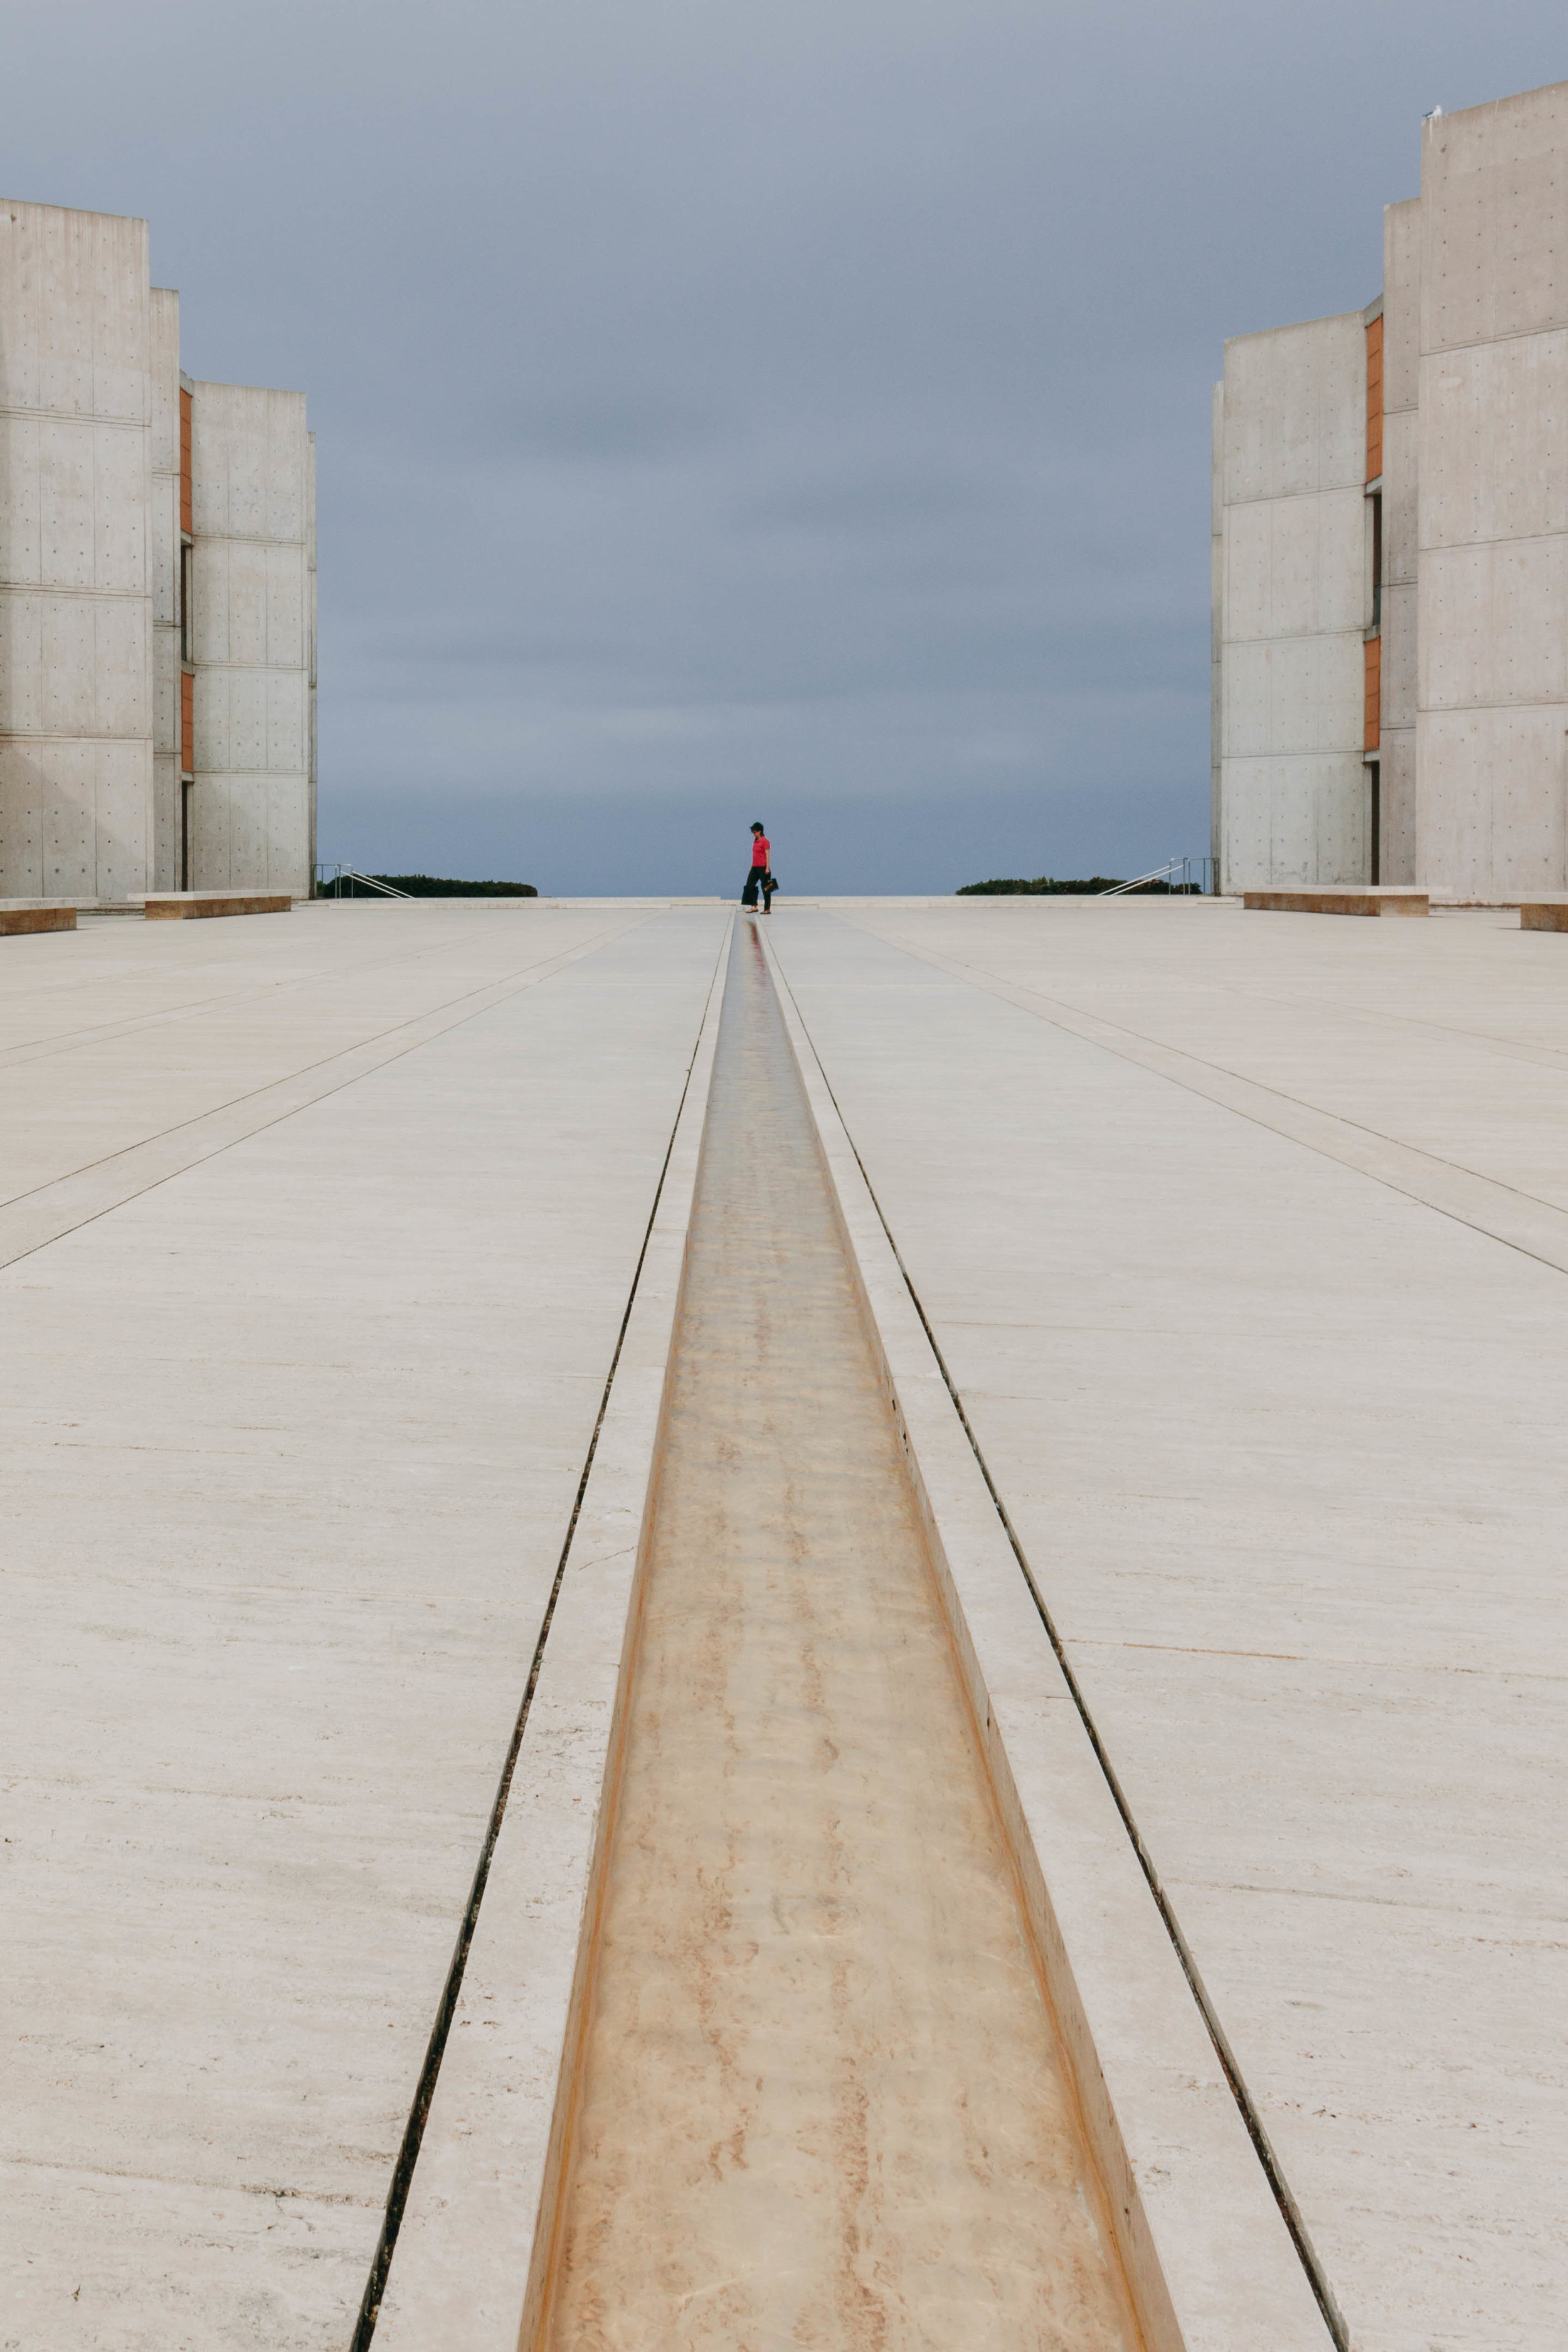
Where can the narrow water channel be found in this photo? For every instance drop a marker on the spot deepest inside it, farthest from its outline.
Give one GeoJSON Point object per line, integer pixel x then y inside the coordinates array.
{"type": "Point", "coordinates": [822, 2103]}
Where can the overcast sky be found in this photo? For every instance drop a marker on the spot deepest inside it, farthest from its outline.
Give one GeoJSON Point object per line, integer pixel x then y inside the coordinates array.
{"type": "Point", "coordinates": [733, 408]}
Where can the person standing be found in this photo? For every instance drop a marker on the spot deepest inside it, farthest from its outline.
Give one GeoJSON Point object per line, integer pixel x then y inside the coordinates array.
{"type": "Point", "coordinates": [760, 876]}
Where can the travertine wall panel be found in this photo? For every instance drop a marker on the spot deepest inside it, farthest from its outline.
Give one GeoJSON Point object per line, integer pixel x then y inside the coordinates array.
{"type": "Point", "coordinates": [251, 508]}
{"type": "Point", "coordinates": [76, 655]}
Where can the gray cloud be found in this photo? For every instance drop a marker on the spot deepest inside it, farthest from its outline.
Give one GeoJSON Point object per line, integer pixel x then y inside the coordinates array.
{"type": "Point", "coordinates": [726, 407]}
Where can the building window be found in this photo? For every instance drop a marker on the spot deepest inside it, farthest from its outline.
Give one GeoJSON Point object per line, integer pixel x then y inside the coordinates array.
{"type": "Point", "coordinates": [1375, 782]}
{"type": "Point", "coordinates": [187, 551]}
{"type": "Point", "coordinates": [1376, 504]}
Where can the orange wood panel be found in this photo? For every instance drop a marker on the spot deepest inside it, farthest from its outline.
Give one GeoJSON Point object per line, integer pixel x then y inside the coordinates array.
{"type": "Point", "coordinates": [1374, 705]}
{"type": "Point", "coordinates": [185, 523]}
{"type": "Point", "coordinates": [187, 722]}
{"type": "Point", "coordinates": [1374, 399]}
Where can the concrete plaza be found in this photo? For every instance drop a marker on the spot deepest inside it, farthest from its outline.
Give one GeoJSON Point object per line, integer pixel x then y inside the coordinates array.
{"type": "Point", "coordinates": [1239, 1237]}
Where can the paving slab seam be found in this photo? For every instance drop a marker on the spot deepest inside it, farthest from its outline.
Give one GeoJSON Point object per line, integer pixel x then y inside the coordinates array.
{"type": "Point", "coordinates": [1503, 1214]}
{"type": "Point", "coordinates": [1213, 2237]}
{"type": "Point", "coordinates": [483, 2173]}
{"type": "Point", "coordinates": [87, 1194]}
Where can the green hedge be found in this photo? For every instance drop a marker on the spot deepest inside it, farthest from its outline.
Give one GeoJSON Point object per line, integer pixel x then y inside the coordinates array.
{"type": "Point", "coordinates": [428, 885]}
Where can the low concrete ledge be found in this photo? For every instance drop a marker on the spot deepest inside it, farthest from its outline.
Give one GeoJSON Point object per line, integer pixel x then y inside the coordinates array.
{"type": "Point", "coordinates": [19, 915]}
{"type": "Point", "coordinates": [1340, 899]}
{"type": "Point", "coordinates": [1543, 915]}
{"type": "Point", "coordinates": [180, 906]}
{"type": "Point", "coordinates": [1207, 2253]}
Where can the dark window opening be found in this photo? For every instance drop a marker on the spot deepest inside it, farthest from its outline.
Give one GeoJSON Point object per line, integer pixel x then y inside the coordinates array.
{"type": "Point", "coordinates": [185, 833]}
{"type": "Point", "coordinates": [1374, 778]}
{"type": "Point", "coordinates": [185, 555]}
{"type": "Point", "coordinates": [1377, 559]}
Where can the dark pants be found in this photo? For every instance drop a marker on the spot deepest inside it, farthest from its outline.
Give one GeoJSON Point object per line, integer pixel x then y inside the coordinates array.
{"type": "Point", "coordinates": [757, 880]}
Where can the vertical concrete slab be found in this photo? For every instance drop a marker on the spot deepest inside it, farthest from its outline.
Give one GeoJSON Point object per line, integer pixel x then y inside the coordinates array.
{"type": "Point", "coordinates": [1492, 462]}
{"type": "Point", "coordinates": [76, 603]}
{"type": "Point", "coordinates": [1216, 634]}
{"type": "Point", "coordinates": [310, 639]}
{"type": "Point", "coordinates": [164, 873]}
{"type": "Point", "coordinates": [252, 497]}
{"type": "Point", "coordinates": [1401, 381]}
{"type": "Point", "coordinates": [1293, 605]}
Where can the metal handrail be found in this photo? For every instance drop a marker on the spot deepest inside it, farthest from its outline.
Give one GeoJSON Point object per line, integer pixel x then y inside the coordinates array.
{"type": "Point", "coordinates": [1138, 880]}
{"type": "Point", "coordinates": [1183, 865]}
{"type": "Point", "coordinates": [352, 873]}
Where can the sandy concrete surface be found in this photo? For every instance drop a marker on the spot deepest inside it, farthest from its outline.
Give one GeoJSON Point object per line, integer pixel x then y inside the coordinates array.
{"type": "Point", "coordinates": [1205, 2245]}
{"type": "Point", "coordinates": [822, 2101]}
{"type": "Point", "coordinates": [1242, 1238]}
{"type": "Point", "coordinates": [317, 1235]}
{"type": "Point", "coordinates": [466, 2263]}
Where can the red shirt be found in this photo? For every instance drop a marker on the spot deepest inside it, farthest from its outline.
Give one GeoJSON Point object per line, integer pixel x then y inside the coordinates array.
{"type": "Point", "coordinates": [761, 851]}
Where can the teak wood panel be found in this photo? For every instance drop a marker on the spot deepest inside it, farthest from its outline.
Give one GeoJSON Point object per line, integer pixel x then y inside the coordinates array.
{"type": "Point", "coordinates": [187, 722]}
{"type": "Point", "coordinates": [1372, 734]}
{"type": "Point", "coordinates": [184, 459]}
{"type": "Point", "coordinates": [1374, 399]}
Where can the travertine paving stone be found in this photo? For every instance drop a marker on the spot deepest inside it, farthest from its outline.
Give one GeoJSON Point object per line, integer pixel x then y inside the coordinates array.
{"type": "Point", "coordinates": [1245, 1242]}
{"type": "Point", "coordinates": [1284, 1444]}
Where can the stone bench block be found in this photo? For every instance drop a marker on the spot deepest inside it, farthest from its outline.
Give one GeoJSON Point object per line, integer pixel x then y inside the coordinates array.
{"type": "Point", "coordinates": [15, 917]}
{"type": "Point", "coordinates": [179, 905]}
{"type": "Point", "coordinates": [1346, 900]}
{"type": "Point", "coordinates": [1543, 915]}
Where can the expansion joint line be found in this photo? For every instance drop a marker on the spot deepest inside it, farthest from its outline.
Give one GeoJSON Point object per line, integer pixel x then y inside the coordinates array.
{"type": "Point", "coordinates": [1317, 2277]}
{"type": "Point", "coordinates": [446, 2008]}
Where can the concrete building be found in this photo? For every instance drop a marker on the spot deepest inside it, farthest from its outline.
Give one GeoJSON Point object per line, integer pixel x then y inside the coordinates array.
{"type": "Point", "coordinates": [1391, 544]}
{"type": "Point", "coordinates": [157, 587]}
